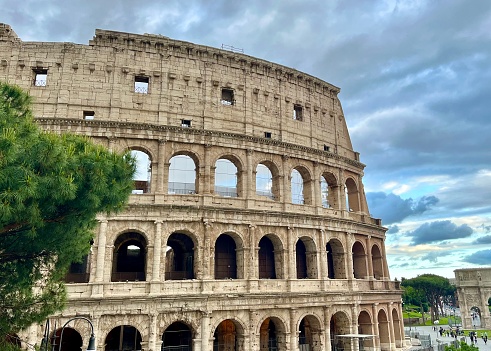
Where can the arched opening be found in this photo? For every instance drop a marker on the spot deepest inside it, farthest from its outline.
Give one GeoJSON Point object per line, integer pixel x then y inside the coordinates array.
{"type": "Point", "coordinates": [301, 256]}
{"type": "Point", "coordinates": [177, 336]}
{"type": "Point", "coordinates": [396, 321]}
{"type": "Point", "coordinates": [306, 254]}
{"type": "Point", "coordinates": [225, 258]}
{"type": "Point", "coordinates": [123, 337]}
{"type": "Point", "coordinates": [267, 264]}
{"type": "Point", "coordinates": [475, 316]}
{"type": "Point", "coordinates": [329, 187]}
{"type": "Point", "coordinates": [336, 262]}
{"type": "Point", "coordinates": [377, 263]}
{"type": "Point", "coordinates": [359, 261]}
{"type": "Point", "coordinates": [365, 327]}
{"type": "Point", "coordinates": [179, 258]}
{"type": "Point", "coordinates": [228, 336]}
{"type": "Point", "coordinates": [143, 173]}
{"type": "Point", "coordinates": [267, 181]}
{"type": "Point", "coordinates": [78, 272]}
{"type": "Point", "coordinates": [352, 196]}
{"type": "Point", "coordinates": [309, 337]}
{"type": "Point", "coordinates": [383, 329]}
{"type": "Point", "coordinates": [182, 175]}
{"type": "Point", "coordinates": [340, 325]}
{"type": "Point", "coordinates": [70, 340]}
{"type": "Point", "coordinates": [225, 178]}
{"type": "Point", "coordinates": [129, 258]}
{"type": "Point", "coordinates": [297, 188]}
{"type": "Point", "coordinates": [272, 335]}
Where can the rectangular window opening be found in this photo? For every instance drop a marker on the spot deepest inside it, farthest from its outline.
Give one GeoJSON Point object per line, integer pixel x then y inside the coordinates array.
{"type": "Point", "coordinates": [89, 115]}
{"type": "Point", "coordinates": [227, 97]}
{"type": "Point", "coordinates": [186, 123]}
{"type": "Point", "coordinates": [141, 84]}
{"type": "Point", "coordinates": [40, 77]}
{"type": "Point", "coordinates": [267, 135]}
{"type": "Point", "coordinates": [326, 148]}
{"type": "Point", "coordinates": [297, 112]}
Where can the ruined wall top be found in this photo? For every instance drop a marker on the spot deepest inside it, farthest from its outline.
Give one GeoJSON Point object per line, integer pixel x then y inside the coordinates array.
{"type": "Point", "coordinates": [159, 43]}
{"type": "Point", "coordinates": [7, 33]}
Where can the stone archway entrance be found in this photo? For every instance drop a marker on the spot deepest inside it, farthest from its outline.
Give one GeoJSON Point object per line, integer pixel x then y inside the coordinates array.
{"type": "Point", "coordinates": [474, 292]}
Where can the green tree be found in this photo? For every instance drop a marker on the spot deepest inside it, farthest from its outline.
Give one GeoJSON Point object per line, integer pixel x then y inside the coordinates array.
{"type": "Point", "coordinates": [463, 347]}
{"type": "Point", "coordinates": [435, 288]}
{"type": "Point", "coordinates": [51, 188]}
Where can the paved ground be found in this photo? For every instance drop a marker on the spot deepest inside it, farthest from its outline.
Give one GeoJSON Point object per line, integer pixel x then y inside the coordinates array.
{"type": "Point", "coordinates": [444, 339]}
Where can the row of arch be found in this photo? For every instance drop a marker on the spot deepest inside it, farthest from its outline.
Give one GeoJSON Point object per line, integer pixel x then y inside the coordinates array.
{"type": "Point", "coordinates": [273, 334]}
{"type": "Point", "coordinates": [129, 259]}
{"type": "Point", "coordinates": [228, 179]}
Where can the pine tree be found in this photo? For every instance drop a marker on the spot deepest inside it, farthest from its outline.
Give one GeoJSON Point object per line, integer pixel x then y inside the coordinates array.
{"type": "Point", "coordinates": [52, 186]}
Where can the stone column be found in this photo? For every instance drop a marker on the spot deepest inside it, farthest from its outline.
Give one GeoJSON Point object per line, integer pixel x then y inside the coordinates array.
{"type": "Point", "coordinates": [384, 262]}
{"type": "Point", "coordinates": [390, 321]}
{"type": "Point", "coordinates": [152, 332]}
{"type": "Point", "coordinates": [285, 194]}
{"type": "Point", "coordinates": [322, 258]}
{"type": "Point", "coordinates": [290, 255]}
{"type": "Point", "coordinates": [161, 167]}
{"type": "Point", "coordinates": [294, 332]}
{"type": "Point", "coordinates": [249, 172]}
{"type": "Point", "coordinates": [206, 338]}
{"type": "Point", "coordinates": [369, 257]}
{"type": "Point", "coordinates": [349, 255]}
{"type": "Point", "coordinates": [157, 253]}
{"type": "Point", "coordinates": [376, 341]}
{"type": "Point", "coordinates": [206, 181]}
{"type": "Point", "coordinates": [206, 259]}
{"type": "Point", "coordinates": [101, 251]}
{"type": "Point", "coordinates": [316, 187]}
{"type": "Point", "coordinates": [327, 323]}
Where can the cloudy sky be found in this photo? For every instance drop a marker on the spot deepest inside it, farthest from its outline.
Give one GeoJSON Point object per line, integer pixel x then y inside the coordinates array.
{"type": "Point", "coordinates": [415, 79]}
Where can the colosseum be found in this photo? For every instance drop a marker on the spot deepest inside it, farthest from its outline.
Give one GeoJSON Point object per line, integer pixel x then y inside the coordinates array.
{"type": "Point", "coordinates": [248, 227]}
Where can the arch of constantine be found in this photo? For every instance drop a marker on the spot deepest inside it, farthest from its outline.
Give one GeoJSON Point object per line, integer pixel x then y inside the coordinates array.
{"type": "Point", "coordinates": [474, 293]}
{"type": "Point", "coordinates": [248, 228]}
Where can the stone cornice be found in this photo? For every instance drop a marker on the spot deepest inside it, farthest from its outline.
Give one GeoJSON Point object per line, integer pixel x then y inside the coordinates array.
{"type": "Point", "coordinates": [46, 121]}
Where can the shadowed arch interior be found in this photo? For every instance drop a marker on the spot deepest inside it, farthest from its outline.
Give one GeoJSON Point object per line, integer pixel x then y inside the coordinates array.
{"type": "Point", "coordinates": [179, 257]}
{"type": "Point", "coordinates": [129, 259]}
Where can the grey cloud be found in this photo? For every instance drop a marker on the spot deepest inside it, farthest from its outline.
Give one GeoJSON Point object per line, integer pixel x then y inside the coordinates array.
{"type": "Point", "coordinates": [438, 231]}
{"type": "Point", "coordinates": [431, 256]}
{"type": "Point", "coordinates": [482, 258]}
{"type": "Point", "coordinates": [484, 240]}
{"type": "Point", "coordinates": [393, 229]}
{"type": "Point", "coordinates": [393, 209]}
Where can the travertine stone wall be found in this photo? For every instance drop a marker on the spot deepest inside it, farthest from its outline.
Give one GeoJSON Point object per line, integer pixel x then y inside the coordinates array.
{"type": "Point", "coordinates": [346, 287]}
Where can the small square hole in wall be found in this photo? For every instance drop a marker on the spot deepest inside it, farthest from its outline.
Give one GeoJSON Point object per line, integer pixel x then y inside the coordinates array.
{"type": "Point", "coordinates": [89, 115]}
{"type": "Point", "coordinates": [267, 135]}
{"type": "Point", "coordinates": [141, 84]}
{"type": "Point", "coordinates": [186, 123]}
{"type": "Point", "coordinates": [227, 97]}
{"type": "Point", "coordinates": [326, 148]}
{"type": "Point", "coordinates": [297, 112]}
{"type": "Point", "coordinates": [40, 77]}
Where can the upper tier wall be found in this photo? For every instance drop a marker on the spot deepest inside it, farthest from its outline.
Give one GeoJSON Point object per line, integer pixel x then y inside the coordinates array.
{"type": "Point", "coordinates": [182, 81]}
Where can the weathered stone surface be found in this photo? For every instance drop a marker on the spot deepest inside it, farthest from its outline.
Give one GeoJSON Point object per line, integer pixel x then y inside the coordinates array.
{"type": "Point", "coordinates": [166, 98]}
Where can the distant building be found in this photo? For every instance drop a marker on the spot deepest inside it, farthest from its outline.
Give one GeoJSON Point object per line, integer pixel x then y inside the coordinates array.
{"type": "Point", "coordinates": [474, 295]}
{"type": "Point", "coordinates": [248, 228]}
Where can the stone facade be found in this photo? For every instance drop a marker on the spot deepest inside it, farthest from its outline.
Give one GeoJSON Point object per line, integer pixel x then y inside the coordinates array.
{"type": "Point", "coordinates": [473, 292]}
{"type": "Point", "coordinates": [251, 230]}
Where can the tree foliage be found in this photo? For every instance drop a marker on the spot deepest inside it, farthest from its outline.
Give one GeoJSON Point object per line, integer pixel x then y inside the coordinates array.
{"type": "Point", "coordinates": [463, 347]}
{"type": "Point", "coordinates": [436, 289]}
{"type": "Point", "coordinates": [51, 188]}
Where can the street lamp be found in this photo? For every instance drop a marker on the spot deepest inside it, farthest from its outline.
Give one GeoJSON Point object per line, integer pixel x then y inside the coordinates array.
{"type": "Point", "coordinates": [91, 346]}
